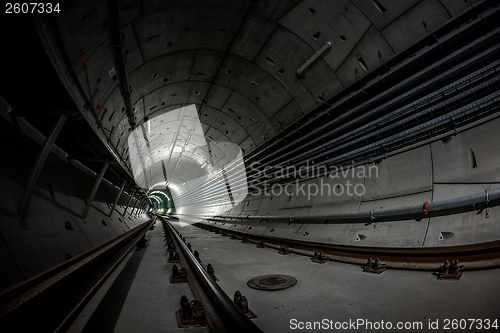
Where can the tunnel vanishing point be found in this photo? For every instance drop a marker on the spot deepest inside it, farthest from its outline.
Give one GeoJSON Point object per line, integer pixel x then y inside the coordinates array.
{"type": "Point", "coordinates": [345, 138]}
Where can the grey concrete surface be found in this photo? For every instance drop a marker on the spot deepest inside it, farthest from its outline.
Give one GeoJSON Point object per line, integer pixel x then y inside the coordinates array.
{"type": "Point", "coordinates": [434, 172]}
{"type": "Point", "coordinates": [254, 83]}
{"type": "Point", "coordinates": [177, 54]}
{"type": "Point", "coordinates": [400, 175]}
{"type": "Point", "coordinates": [242, 81]}
{"type": "Point", "coordinates": [56, 232]}
{"type": "Point", "coordinates": [453, 160]}
{"type": "Point", "coordinates": [342, 292]}
{"type": "Point", "coordinates": [138, 297]}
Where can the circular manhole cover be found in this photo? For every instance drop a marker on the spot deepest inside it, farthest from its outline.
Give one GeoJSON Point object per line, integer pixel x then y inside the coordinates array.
{"type": "Point", "coordinates": [271, 282]}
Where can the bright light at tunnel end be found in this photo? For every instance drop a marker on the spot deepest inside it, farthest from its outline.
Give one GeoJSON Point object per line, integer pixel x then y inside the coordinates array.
{"type": "Point", "coordinates": [172, 152]}
{"type": "Point", "coordinates": [206, 178]}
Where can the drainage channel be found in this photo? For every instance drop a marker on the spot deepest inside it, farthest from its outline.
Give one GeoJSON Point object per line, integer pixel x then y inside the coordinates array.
{"type": "Point", "coordinates": [211, 305]}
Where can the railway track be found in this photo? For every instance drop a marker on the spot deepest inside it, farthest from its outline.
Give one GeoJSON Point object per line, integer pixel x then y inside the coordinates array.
{"type": "Point", "coordinates": [222, 314]}
{"type": "Point", "coordinates": [473, 257]}
{"type": "Point", "coordinates": [329, 289]}
{"type": "Point", "coordinates": [51, 300]}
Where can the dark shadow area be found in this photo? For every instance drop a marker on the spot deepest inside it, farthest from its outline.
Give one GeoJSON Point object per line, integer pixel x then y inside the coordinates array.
{"type": "Point", "coordinates": [8, 213]}
{"type": "Point", "coordinates": [106, 315]}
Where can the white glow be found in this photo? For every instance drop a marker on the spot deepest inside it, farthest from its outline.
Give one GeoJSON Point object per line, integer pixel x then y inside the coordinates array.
{"type": "Point", "coordinates": [156, 154]}
{"type": "Point", "coordinates": [171, 133]}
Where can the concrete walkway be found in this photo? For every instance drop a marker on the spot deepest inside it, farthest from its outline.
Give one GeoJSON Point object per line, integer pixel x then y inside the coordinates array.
{"type": "Point", "coordinates": [343, 293]}
{"type": "Point", "coordinates": [138, 297]}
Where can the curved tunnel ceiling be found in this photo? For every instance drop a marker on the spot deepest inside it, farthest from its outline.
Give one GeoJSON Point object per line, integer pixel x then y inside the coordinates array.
{"type": "Point", "coordinates": [235, 62]}
{"type": "Point", "coordinates": [170, 151]}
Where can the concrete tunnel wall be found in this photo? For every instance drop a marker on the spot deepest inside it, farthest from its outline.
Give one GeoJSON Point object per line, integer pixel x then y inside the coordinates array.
{"type": "Point", "coordinates": [467, 164]}
{"type": "Point", "coordinates": [55, 233]}
{"type": "Point", "coordinates": [433, 172]}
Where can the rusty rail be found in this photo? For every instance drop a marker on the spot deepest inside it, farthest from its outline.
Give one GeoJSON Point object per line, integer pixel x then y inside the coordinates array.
{"type": "Point", "coordinates": [51, 300]}
{"type": "Point", "coordinates": [233, 317]}
{"type": "Point", "coordinates": [473, 257]}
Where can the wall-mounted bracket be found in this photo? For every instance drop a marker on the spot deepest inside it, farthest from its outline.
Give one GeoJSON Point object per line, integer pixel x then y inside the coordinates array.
{"type": "Point", "coordinates": [38, 166]}
{"type": "Point", "coordinates": [117, 198]}
{"type": "Point", "coordinates": [94, 191]}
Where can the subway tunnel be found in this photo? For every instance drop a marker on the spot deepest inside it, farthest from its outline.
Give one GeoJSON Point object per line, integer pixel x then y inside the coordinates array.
{"type": "Point", "coordinates": [336, 162]}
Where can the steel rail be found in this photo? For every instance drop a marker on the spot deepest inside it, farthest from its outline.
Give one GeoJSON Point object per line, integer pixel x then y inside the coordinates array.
{"type": "Point", "coordinates": [52, 299]}
{"type": "Point", "coordinates": [212, 317]}
{"type": "Point", "coordinates": [234, 318]}
{"type": "Point", "coordinates": [473, 257]}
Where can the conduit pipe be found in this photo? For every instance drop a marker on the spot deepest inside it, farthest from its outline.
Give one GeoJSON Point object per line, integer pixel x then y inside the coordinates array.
{"type": "Point", "coordinates": [220, 191]}
{"type": "Point", "coordinates": [494, 48]}
{"type": "Point", "coordinates": [468, 202]}
{"type": "Point", "coordinates": [315, 56]}
{"type": "Point", "coordinates": [205, 197]}
{"type": "Point", "coordinates": [406, 63]}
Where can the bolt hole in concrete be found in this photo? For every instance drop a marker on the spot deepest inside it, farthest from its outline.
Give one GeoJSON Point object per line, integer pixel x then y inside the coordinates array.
{"type": "Point", "coordinates": [359, 237]}
{"type": "Point", "coordinates": [445, 235]}
{"type": "Point", "coordinates": [271, 282]}
{"type": "Point", "coordinates": [68, 226]}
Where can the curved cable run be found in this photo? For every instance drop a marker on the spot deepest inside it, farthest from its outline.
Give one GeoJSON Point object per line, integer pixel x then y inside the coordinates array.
{"type": "Point", "coordinates": [477, 201]}
{"type": "Point", "coordinates": [422, 107]}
